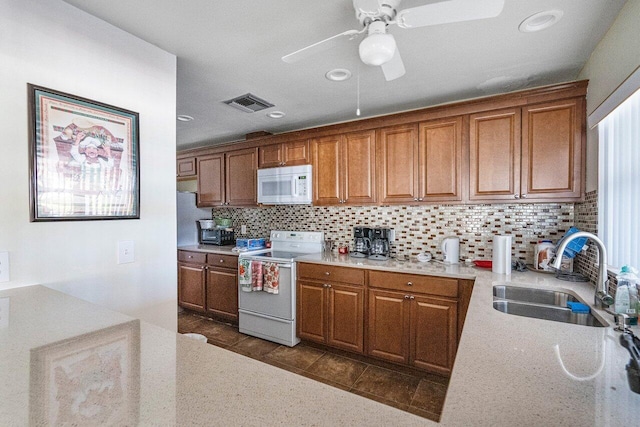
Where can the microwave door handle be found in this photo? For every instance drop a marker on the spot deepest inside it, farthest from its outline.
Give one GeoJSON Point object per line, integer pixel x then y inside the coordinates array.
{"type": "Point", "coordinates": [294, 188]}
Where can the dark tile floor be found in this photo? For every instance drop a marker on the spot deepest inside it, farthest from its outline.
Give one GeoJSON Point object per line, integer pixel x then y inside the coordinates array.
{"type": "Point", "coordinates": [417, 392]}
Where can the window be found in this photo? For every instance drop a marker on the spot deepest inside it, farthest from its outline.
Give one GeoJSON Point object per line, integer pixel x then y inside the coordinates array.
{"type": "Point", "coordinates": [619, 183]}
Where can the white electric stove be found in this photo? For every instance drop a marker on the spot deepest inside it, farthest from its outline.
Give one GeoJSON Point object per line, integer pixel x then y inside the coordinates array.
{"type": "Point", "coordinates": [273, 317]}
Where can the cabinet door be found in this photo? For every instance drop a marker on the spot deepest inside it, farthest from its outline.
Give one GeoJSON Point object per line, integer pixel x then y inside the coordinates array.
{"type": "Point", "coordinates": [211, 188]}
{"type": "Point", "coordinates": [494, 155]}
{"type": "Point", "coordinates": [388, 327]}
{"type": "Point", "coordinates": [325, 154]}
{"type": "Point", "coordinates": [433, 333]}
{"type": "Point", "coordinates": [270, 156]}
{"type": "Point", "coordinates": [397, 157]}
{"type": "Point", "coordinates": [191, 290]}
{"type": "Point", "coordinates": [346, 317]}
{"type": "Point", "coordinates": [552, 147]}
{"type": "Point", "coordinates": [296, 153]}
{"type": "Point", "coordinates": [241, 167]}
{"type": "Point", "coordinates": [222, 293]}
{"type": "Point", "coordinates": [311, 311]}
{"type": "Point", "coordinates": [358, 167]}
{"type": "Point", "coordinates": [440, 160]}
{"type": "Point", "coordinates": [186, 167]}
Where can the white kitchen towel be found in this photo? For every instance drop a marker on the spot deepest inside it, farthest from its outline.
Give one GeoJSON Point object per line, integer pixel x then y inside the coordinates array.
{"type": "Point", "coordinates": [256, 275]}
{"type": "Point", "coordinates": [244, 274]}
{"type": "Point", "coordinates": [271, 282]}
{"type": "Point", "coordinates": [501, 262]}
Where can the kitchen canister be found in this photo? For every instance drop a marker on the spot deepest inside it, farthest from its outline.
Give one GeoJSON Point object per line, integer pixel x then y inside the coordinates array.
{"type": "Point", "coordinates": [451, 249]}
{"type": "Point", "coordinates": [501, 254]}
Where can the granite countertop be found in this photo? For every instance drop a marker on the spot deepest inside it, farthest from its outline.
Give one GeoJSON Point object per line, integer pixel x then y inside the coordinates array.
{"type": "Point", "coordinates": [509, 370]}
{"type": "Point", "coordinates": [211, 249]}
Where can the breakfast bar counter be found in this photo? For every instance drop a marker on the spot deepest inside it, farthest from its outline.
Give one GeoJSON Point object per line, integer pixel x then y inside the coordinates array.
{"type": "Point", "coordinates": [66, 360]}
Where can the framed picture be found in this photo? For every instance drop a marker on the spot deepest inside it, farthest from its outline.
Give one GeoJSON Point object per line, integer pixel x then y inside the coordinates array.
{"type": "Point", "coordinates": [91, 379]}
{"type": "Point", "coordinates": [84, 158]}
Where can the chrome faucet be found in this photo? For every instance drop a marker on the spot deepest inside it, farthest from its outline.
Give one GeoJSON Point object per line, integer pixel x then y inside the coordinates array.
{"type": "Point", "coordinates": [601, 298]}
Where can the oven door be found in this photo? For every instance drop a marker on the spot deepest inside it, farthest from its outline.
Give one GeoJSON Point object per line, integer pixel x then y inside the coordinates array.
{"type": "Point", "coordinates": [280, 305]}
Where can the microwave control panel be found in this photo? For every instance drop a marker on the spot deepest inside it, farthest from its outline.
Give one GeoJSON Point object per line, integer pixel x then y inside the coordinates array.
{"type": "Point", "coordinates": [302, 186]}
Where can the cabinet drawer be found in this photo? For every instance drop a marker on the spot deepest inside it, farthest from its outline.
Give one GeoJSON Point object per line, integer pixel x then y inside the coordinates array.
{"type": "Point", "coordinates": [225, 261]}
{"type": "Point", "coordinates": [414, 283]}
{"type": "Point", "coordinates": [194, 257]}
{"type": "Point", "coordinates": [331, 273]}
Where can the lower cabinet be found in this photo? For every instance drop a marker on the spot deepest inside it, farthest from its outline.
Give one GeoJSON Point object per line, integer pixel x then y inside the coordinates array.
{"type": "Point", "coordinates": [207, 283]}
{"type": "Point", "coordinates": [402, 318]}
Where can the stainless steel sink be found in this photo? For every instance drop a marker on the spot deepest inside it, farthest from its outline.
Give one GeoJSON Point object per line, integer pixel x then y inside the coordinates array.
{"type": "Point", "coordinates": [536, 296]}
{"type": "Point", "coordinates": [540, 304]}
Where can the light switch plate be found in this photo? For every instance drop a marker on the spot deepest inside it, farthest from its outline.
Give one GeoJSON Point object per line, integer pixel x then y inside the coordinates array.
{"type": "Point", "coordinates": [125, 252]}
{"type": "Point", "coordinates": [4, 267]}
{"type": "Point", "coordinates": [4, 312]}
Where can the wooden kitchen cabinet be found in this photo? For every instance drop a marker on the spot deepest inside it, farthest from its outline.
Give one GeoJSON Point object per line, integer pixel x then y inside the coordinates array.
{"type": "Point", "coordinates": [207, 283]}
{"type": "Point", "coordinates": [397, 157]}
{"type": "Point", "coordinates": [330, 306]}
{"type": "Point", "coordinates": [344, 169]}
{"type": "Point", "coordinates": [530, 153]}
{"type": "Point", "coordinates": [290, 153]}
{"type": "Point", "coordinates": [186, 167]}
{"type": "Point", "coordinates": [228, 179]}
{"type": "Point", "coordinates": [417, 326]}
{"type": "Point", "coordinates": [191, 281]}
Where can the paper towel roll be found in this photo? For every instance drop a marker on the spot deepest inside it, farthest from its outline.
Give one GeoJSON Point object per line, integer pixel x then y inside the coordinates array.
{"type": "Point", "coordinates": [501, 254]}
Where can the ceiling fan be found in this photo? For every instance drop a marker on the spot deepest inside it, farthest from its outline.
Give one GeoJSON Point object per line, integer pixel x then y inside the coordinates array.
{"type": "Point", "coordinates": [378, 47]}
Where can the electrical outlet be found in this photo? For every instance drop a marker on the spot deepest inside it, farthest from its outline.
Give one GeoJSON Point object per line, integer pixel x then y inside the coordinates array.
{"type": "Point", "coordinates": [243, 229]}
{"type": "Point", "coordinates": [4, 312]}
{"type": "Point", "coordinates": [4, 267]}
{"type": "Point", "coordinates": [125, 252]}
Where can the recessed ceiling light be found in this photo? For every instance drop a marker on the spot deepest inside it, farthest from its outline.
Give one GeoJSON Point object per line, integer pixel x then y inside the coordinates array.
{"type": "Point", "coordinates": [184, 118]}
{"type": "Point", "coordinates": [540, 21]}
{"type": "Point", "coordinates": [276, 114]}
{"type": "Point", "coordinates": [338, 75]}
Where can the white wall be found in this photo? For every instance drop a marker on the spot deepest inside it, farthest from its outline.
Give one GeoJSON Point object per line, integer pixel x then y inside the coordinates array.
{"type": "Point", "coordinates": [613, 60]}
{"type": "Point", "coordinates": [52, 44]}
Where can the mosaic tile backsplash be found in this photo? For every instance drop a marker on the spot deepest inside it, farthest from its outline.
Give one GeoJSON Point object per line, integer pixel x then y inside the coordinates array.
{"type": "Point", "coordinates": [418, 228]}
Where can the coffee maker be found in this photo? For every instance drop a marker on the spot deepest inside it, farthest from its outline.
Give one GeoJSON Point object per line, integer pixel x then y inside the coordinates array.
{"type": "Point", "coordinates": [361, 242]}
{"type": "Point", "coordinates": [380, 247]}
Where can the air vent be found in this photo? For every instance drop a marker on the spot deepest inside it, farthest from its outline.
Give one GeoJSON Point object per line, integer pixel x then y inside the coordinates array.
{"type": "Point", "coordinates": [249, 103]}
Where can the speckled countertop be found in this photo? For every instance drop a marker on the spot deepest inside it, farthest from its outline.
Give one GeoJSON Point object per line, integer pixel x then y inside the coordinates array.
{"type": "Point", "coordinates": [509, 370]}
{"type": "Point", "coordinates": [211, 249]}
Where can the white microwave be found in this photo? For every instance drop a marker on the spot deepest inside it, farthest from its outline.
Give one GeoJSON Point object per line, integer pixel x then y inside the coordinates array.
{"type": "Point", "coordinates": [288, 185]}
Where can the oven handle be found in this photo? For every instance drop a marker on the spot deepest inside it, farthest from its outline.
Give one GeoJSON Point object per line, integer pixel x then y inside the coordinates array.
{"type": "Point", "coordinates": [281, 265]}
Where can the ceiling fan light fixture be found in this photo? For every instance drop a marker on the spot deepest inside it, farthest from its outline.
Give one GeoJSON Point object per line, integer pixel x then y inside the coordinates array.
{"type": "Point", "coordinates": [540, 21]}
{"type": "Point", "coordinates": [377, 49]}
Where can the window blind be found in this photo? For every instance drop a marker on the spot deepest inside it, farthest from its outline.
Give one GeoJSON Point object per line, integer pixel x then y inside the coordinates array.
{"type": "Point", "coordinates": [619, 183]}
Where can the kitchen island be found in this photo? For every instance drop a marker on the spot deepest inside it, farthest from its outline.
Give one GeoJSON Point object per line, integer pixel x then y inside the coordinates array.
{"type": "Point", "coordinates": [509, 370]}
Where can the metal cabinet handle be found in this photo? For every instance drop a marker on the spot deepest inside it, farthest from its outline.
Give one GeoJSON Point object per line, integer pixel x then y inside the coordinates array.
{"type": "Point", "coordinates": [409, 284]}
{"type": "Point", "coordinates": [412, 297]}
{"type": "Point", "coordinates": [324, 285]}
{"type": "Point", "coordinates": [420, 199]}
{"type": "Point", "coordinates": [524, 196]}
{"type": "Point", "coordinates": [328, 286]}
{"type": "Point", "coordinates": [326, 273]}
{"type": "Point", "coordinates": [189, 256]}
{"type": "Point", "coordinates": [406, 297]}
{"type": "Point", "coordinates": [221, 260]}
{"type": "Point", "coordinates": [516, 196]}
{"type": "Point", "coordinates": [415, 199]}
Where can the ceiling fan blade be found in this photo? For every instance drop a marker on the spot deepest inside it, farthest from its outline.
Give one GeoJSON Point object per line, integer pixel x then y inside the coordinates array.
{"type": "Point", "coordinates": [395, 68]}
{"type": "Point", "coordinates": [449, 11]}
{"type": "Point", "coordinates": [320, 46]}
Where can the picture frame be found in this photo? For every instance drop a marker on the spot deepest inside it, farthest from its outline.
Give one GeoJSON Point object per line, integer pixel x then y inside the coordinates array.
{"type": "Point", "coordinates": [84, 160]}
{"type": "Point", "coordinates": [90, 379]}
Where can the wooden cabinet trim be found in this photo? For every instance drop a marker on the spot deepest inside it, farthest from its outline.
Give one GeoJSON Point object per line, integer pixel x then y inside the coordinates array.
{"type": "Point", "coordinates": [222, 261]}
{"type": "Point", "coordinates": [331, 273]}
{"type": "Point", "coordinates": [414, 283]}
{"type": "Point", "coordinates": [192, 257]}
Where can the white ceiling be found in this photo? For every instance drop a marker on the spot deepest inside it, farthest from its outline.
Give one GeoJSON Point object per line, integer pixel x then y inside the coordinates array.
{"type": "Point", "coordinates": [226, 49]}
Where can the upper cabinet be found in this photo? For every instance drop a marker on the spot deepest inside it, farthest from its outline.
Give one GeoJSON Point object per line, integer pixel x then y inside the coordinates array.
{"type": "Point", "coordinates": [291, 153]}
{"type": "Point", "coordinates": [529, 153]}
{"type": "Point", "coordinates": [186, 167]}
{"type": "Point", "coordinates": [228, 179]}
{"type": "Point", "coordinates": [421, 163]}
{"type": "Point", "coordinates": [344, 169]}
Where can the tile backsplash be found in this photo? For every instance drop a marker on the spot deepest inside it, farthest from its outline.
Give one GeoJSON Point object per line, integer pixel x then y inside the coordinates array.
{"type": "Point", "coordinates": [418, 228]}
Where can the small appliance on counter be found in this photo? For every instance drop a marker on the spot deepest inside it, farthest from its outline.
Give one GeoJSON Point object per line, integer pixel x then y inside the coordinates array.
{"type": "Point", "coordinates": [211, 234]}
{"type": "Point", "coordinates": [451, 250]}
{"type": "Point", "coordinates": [361, 242]}
{"type": "Point", "coordinates": [380, 247]}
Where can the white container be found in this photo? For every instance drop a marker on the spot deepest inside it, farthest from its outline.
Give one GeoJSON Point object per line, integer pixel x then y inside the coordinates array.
{"type": "Point", "coordinates": [545, 250]}
{"type": "Point", "coordinates": [501, 262]}
{"type": "Point", "coordinates": [451, 250]}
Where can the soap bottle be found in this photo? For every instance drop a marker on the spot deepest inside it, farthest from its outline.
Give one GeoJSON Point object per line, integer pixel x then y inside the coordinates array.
{"type": "Point", "coordinates": [627, 294]}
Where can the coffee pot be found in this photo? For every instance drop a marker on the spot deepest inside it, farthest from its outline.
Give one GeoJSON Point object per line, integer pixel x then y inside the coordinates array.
{"type": "Point", "coordinates": [361, 242]}
{"type": "Point", "coordinates": [380, 247]}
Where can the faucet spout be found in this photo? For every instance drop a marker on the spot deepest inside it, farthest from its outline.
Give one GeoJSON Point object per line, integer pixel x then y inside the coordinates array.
{"type": "Point", "coordinates": [601, 298]}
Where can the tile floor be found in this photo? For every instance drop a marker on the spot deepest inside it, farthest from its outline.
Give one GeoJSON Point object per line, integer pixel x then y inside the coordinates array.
{"type": "Point", "coordinates": [417, 392]}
